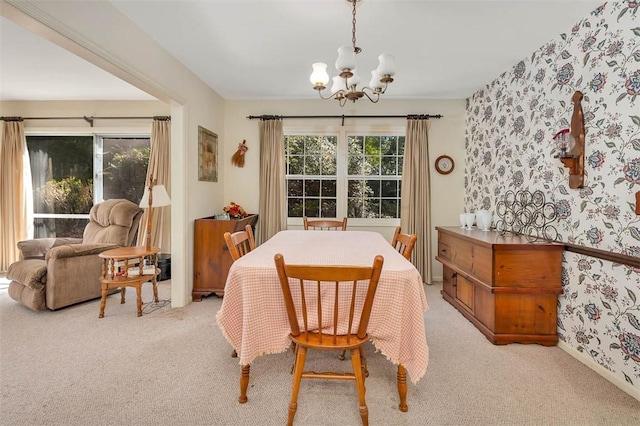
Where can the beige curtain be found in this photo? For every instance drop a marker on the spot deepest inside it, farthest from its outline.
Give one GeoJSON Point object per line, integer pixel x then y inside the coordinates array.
{"type": "Point", "coordinates": [272, 208]}
{"type": "Point", "coordinates": [14, 199]}
{"type": "Point", "coordinates": [159, 168]}
{"type": "Point", "coordinates": [415, 206]}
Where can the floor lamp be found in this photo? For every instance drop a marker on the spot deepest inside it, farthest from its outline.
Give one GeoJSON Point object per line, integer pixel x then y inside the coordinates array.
{"type": "Point", "coordinates": [154, 196]}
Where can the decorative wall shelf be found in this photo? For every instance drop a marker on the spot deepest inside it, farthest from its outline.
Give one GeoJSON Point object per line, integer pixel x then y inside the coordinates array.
{"type": "Point", "coordinates": [574, 160]}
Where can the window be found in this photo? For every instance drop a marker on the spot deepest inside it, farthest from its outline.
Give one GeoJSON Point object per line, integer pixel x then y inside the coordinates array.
{"type": "Point", "coordinates": [374, 176]}
{"type": "Point", "coordinates": [311, 175]}
{"type": "Point", "coordinates": [70, 173]}
{"type": "Point", "coordinates": [123, 165]}
{"type": "Point", "coordinates": [351, 174]}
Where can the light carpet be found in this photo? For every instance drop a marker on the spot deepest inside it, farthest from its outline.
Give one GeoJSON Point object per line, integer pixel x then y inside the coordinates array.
{"type": "Point", "coordinates": [172, 366]}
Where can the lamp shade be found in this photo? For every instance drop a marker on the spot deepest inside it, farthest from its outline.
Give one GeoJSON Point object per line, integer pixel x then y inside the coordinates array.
{"type": "Point", "coordinates": [375, 82]}
{"type": "Point", "coordinates": [346, 59]}
{"type": "Point", "coordinates": [354, 80]}
{"type": "Point", "coordinates": [160, 197]}
{"type": "Point", "coordinates": [338, 83]}
{"type": "Point", "coordinates": [319, 76]}
{"type": "Point", "coordinates": [387, 64]}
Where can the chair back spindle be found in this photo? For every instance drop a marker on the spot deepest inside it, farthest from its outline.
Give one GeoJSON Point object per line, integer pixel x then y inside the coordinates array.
{"type": "Point", "coordinates": [328, 283]}
{"type": "Point", "coordinates": [240, 243]}
{"type": "Point", "coordinates": [404, 243]}
{"type": "Point", "coordinates": [324, 224]}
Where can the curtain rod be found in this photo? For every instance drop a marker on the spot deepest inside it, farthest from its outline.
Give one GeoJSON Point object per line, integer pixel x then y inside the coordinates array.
{"type": "Point", "coordinates": [410, 116]}
{"type": "Point", "coordinates": [88, 119]}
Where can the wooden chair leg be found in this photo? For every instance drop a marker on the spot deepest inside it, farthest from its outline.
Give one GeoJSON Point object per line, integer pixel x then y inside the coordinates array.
{"type": "Point", "coordinates": [301, 357]}
{"type": "Point", "coordinates": [402, 388]}
{"type": "Point", "coordinates": [364, 362]}
{"type": "Point", "coordinates": [295, 357]}
{"type": "Point", "coordinates": [357, 371]}
{"type": "Point", "coordinates": [244, 383]}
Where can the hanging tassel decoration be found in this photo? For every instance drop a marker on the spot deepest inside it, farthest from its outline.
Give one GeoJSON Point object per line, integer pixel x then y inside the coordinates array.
{"type": "Point", "coordinates": [238, 158]}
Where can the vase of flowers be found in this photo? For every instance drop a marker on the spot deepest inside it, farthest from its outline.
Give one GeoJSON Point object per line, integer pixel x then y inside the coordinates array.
{"type": "Point", "coordinates": [235, 211]}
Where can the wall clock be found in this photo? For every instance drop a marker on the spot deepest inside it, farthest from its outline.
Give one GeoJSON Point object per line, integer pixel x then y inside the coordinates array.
{"type": "Point", "coordinates": [444, 164]}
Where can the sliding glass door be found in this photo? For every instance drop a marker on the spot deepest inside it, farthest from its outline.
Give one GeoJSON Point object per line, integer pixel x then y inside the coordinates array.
{"type": "Point", "coordinates": [72, 172]}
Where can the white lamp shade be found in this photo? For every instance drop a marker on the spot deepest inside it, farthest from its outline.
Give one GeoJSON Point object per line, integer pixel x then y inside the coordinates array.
{"type": "Point", "coordinates": [346, 58]}
{"type": "Point", "coordinates": [319, 76]}
{"type": "Point", "coordinates": [354, 80]}
{"type": "Point", "coordinates": [375, 82]}
{"type": "Point", "coordinates": [387, 64]}
{"type": "Point", "coordinates": [160, 197]}
{"type": "Point", "coordinates": [337, 83]}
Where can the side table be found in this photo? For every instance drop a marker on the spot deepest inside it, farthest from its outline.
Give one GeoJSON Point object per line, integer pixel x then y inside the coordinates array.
{"type": "Point", "coordinates": [125, 267]}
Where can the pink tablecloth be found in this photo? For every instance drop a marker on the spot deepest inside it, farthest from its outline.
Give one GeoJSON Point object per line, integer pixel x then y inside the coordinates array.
{"type": "Point", "coordinates": [253, 316]}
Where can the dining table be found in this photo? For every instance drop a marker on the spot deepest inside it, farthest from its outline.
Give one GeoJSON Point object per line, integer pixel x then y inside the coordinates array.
{"type": "Point", "coordinates": [253, 316]}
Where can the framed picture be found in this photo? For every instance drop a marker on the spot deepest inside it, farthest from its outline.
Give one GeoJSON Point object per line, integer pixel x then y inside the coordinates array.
{"type": "Point", "coordinates": [207, 155]}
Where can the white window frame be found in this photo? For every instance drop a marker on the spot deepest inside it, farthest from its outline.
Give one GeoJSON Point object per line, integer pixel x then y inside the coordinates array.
{"type": "Point", "coordinates": [98, 137]}
{"type": "Point", "coordinates": [341, 174]}
{"type": "Point", "coordinates": [98, 154]}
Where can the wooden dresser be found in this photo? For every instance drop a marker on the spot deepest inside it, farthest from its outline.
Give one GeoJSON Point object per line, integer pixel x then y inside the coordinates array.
{"type": "Point", "coordinates": [506, 286]}
{"type": "Point", "coordinates": [211, 258]}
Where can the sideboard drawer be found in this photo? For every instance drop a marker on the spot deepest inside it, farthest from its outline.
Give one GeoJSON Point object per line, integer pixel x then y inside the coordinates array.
{"type": "Point", "coordinates": [444, 250]}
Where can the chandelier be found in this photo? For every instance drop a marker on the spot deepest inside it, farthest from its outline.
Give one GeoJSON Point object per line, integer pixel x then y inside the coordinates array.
{"type": "Point", "coordinates": [345, 85]}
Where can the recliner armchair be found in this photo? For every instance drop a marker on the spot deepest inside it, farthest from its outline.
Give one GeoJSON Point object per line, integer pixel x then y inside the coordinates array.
{"type": "Point", "coordinates": [58, 272]}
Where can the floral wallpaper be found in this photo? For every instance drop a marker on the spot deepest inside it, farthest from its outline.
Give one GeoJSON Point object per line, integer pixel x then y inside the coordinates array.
{"type": "Point", "coordinates": [509, 146]}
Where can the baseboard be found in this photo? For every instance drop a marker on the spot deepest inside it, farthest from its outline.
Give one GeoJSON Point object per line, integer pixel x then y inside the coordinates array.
{"type": "Point", "coordinates": [617, 381]}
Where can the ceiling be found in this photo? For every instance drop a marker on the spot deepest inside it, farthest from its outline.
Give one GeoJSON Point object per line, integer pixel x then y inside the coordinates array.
{"type": "Point", "coordinates": [34, 69]}
{"type": "Point", "coordinates": [263, 49]}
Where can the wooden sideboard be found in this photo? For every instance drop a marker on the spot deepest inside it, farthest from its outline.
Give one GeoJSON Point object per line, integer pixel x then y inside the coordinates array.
{"type": "Point", "coordinates": [505, 285]}
{"type": "Point", "coordinates": [211, 258]}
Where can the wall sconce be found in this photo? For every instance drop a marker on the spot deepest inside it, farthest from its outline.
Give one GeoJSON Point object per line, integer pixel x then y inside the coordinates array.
{"type": "Point", "coordinates": [570, 143]}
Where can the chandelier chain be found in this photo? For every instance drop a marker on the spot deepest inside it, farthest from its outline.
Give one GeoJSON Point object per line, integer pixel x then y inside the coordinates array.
{"type": "Point", "coordinates": [356, 49]}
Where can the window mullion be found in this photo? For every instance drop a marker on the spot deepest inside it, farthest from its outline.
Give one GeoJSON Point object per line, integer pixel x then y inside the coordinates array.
{"type": "Point", "coordinates": [341, 175]}
{"type": "Point", "coordinates": [98, 151]}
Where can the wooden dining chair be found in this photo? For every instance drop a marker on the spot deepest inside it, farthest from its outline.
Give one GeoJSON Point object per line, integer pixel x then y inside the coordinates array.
{"type": "Point", "coordinates": [325, 225]}
{"type": "Point", "coordinates": [240, 243]}
{"type": "Point", "coordinates": [315, 323]}
{"type": "Point", "coordinates": [404, 243]}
